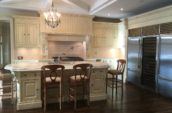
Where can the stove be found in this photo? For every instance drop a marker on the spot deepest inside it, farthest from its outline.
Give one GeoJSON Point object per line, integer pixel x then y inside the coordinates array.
{"type": "Point", "coordinates": [67, 58]}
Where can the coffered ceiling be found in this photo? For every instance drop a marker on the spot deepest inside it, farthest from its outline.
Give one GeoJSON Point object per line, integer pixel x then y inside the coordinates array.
{"type": "Point", "coordinates": [103, 8]}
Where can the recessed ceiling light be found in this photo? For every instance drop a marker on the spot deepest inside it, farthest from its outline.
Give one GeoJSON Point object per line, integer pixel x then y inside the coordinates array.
{"type": "Point", "coordinates": [108, 14]}
{"type": "Point", "coordinates": [121, 9]}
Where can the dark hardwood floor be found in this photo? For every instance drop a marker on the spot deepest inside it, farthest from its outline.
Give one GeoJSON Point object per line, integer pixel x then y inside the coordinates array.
{"type": "Point", "coordinates": [135, 100]}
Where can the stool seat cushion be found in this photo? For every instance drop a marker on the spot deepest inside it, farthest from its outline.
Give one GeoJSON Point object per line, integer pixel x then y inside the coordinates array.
{"type": "Point", "coordinates": [114, 72]}
{"type": "Point", "coordinates": [78, 77]}
{"type": "Point", "coordinates": [52, 79]}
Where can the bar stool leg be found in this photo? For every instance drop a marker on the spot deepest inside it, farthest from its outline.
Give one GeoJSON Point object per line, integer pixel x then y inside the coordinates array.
{"type": "Point", "coordinates": [88, 93]}
{"type": "Point", "coordinates": [122, 88]}
{"type": "Point", "coordinates": [116, 84]}
{"type": "Point", "coordinates": [106, 81]}
{"type": "Point", "coordinates": [60, 98]}
{"type": "Point", "coordinates": [75, 99]}
{"type": "Point", "coordinates": [112, 88]}
{"type": "Point", "coordinates": [45, 99]}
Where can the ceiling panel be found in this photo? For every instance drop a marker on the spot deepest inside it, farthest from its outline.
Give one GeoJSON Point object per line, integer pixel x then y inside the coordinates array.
{"type": "Point", "coordinates": [131, 7]}
{"type": "Point", "coordinates": [103, 8]}
{"type": "Point", "coordinates": [67, 7]}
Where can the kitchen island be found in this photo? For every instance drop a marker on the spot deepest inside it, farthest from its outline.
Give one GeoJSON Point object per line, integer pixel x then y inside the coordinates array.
{"type": "Point", "coordinates": [28, 76]}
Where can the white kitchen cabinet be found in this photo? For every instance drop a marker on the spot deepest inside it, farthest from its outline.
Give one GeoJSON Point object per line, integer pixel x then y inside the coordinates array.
{"type": "Point", "coordinates": [98, 84]}
{"type": "Point", "coordinates": [28, 90]}
{"type": "Point", "coordinates": [27, 31]}
{"type": "Point", "coordinates": [104, 34]}
{"type": "Point", "coordinates": [70, 24]}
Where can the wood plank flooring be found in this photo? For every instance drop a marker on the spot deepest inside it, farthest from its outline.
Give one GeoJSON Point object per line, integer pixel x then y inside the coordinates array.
{"type": "Point", "coordinates": [135, 100]}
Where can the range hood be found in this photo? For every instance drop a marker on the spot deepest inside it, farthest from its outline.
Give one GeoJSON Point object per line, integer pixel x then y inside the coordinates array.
{"type": "Point", "coordinates": [66, 38]}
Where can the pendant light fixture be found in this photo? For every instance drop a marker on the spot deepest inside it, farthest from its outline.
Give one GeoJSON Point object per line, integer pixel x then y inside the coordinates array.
{"type": "Point", "coordinates": [52, 17]}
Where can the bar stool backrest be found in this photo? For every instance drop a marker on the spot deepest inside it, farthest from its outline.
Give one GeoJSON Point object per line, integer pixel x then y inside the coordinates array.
{"type": "Point", "coordinates": [121, 65]}
{"type": "Point", "coordinates": [84, 70]}
{"type": "Point", "coordinates": [52, 71]}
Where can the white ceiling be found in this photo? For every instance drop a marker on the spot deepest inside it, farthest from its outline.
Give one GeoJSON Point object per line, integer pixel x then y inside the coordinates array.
{"type": "Point", "coordinates": [103, 8]}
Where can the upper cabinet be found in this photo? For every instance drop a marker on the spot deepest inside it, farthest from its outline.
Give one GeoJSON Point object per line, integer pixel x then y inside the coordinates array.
{"type": "Point", "coordinates": [104, 34]}
{"type": "Point", "coordinates": [27, 31]}
{"type": "Point", "coordinates": [70, 25]}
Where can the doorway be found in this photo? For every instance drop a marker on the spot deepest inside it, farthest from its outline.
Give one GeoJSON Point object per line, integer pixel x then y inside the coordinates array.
{"type": "Point", "coordinates": [5, 48]}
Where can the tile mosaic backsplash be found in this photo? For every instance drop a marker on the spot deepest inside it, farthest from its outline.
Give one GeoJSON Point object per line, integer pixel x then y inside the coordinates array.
{"type": "Point", "coordinates": [66, 48]}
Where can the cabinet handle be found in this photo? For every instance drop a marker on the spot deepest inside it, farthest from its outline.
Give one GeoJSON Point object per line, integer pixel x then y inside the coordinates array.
{"type": "Point", "coordinates": [37, 90]}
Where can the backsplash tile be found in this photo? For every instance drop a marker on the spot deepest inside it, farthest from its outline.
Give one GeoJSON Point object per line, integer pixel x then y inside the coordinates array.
{"type": "Point", "coordinates": [66, 48]}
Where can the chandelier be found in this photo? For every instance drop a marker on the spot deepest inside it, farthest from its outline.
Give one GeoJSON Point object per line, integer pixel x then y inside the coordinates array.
{"type": "Point", "coordinates": [52, 17]}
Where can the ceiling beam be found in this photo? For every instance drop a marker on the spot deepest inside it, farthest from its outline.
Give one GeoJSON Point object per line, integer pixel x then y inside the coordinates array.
{"type": "Point", "coordinates": [78, 3]}
{"type": "Point", "coordinates": [101, 6]}
{"type": "Point", "coordinates": [103, 19]}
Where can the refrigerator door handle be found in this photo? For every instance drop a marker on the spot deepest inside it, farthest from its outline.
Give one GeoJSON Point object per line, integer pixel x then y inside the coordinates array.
{"type": "Point", "coordinates": [139, 54]}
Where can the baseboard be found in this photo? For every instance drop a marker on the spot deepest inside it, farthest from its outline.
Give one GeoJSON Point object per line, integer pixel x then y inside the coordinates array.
{"type": "Point", "coordinates": [98, 97]}
{"type": "Point", "coordinates": [26, 105]}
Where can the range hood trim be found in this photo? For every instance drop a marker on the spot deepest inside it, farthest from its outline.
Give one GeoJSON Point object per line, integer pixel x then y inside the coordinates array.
{"type": "Point", "coordinates": [65, 38]}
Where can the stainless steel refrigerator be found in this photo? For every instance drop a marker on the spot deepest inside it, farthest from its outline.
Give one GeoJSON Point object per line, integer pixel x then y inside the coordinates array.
{"type": "Point", "coordinates": [134, 60]}
{"type": "Point", "coordinates": [165, 66]}
{"type": "Point", "coordinates": [5, 56]}
{"type": "Point", "coordinates": [142, 56]}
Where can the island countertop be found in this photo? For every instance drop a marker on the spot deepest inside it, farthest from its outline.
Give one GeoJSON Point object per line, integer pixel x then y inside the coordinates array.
{"type": "Point", "coordinates": [36, 66]}
{"type": "Point", "coordinates": [28, 80]}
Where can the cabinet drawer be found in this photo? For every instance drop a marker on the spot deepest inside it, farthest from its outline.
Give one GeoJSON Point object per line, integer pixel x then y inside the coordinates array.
{"type": "Point", "coordinates": [99, 73]}
{"type": "Point", "coordinates": [30, 75]}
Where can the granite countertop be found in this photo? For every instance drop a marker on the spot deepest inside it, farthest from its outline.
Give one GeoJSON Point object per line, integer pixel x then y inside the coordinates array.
{"type": "Point", "coordinates": [36, 66]}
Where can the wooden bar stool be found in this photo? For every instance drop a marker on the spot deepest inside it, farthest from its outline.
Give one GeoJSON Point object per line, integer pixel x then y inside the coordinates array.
{"type": "Point", "coordinates": [112, 79]}
{"type": "Point", "coordinates": [7, 85]}
{"type": "Point", "coordinates": [51, 78]}
{"type": "Point", "coordinates": [80, 80]}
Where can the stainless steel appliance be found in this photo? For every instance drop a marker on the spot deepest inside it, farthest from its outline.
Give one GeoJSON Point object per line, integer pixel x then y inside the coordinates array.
{"type": "Point", "coordinates": [5, 56]}
{"type": "Point", "coordinates": [142, 56]}
{"type": "Point", "coordinates": [165, 60]}
{"type": "Point", "coordinates": [149, 62]}
{"type": "Point", "coordinates": [134, 56]}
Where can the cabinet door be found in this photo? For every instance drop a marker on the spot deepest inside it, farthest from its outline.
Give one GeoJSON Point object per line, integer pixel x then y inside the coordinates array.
{"type": "Point", "coordinates": [104, 34]}
{"type": "Point", "coordinates": [20, 34]}
{"type": "Point", "coordinates": [32, 36]}
{"type": "Point", "coordinates": [70, 24]}
{"type": "Point", "coordinates": [30, 90]}
{"type": "Point", "coordinates": [98, 84]}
